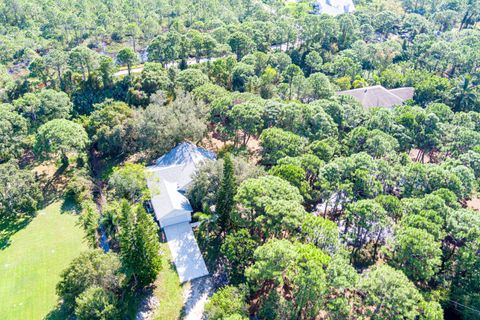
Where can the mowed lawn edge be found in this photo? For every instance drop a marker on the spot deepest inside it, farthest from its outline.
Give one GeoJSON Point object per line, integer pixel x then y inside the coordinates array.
{"type": "Point", "coordinates": [168, 289]}
{"type": "Point", "coordinates": [30, 267]}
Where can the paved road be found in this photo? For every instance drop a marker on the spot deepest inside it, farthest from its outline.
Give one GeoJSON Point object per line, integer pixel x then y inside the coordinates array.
{"type": "Point", "coordinates": [190, 61]}
{"type": "Point", "coordinates": [169, 65]}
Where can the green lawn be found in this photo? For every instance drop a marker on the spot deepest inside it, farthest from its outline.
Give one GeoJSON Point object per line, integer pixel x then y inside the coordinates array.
{"type": "Point", "coordinates": [168, 290]}
{"type": "Point", "coordinates": [31, 265]}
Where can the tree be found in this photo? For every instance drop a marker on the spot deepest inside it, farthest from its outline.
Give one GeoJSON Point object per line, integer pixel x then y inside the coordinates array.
{"type": "Point", "coordinates": [57, 59]}
{"type": "Point", "coordinates": [321, 232]}
{"type": "Point", "coordinates": [163, 127]}
{"type": "Point", "coordinates": [238, 248]}
{"type": "Point", "coordinates": [321, 86]}
{"type": "Point", "coordinates": [129, 182]}
{"type": "Point", "coordinates": [190, 79]}
{"type": "Point", "coordinates": [313, 61]}
{"type": "Point", "coordinates": [300, 267]}
{"type": "Point", "coordinates": [225, 303]}
{"type": "Point", "coordinates": [39, 70]}
{"type": "Point", "coordinates": [241, 44]}
{"type": "Point", "coordinates": [254, 195]}
{"type": "Point", "coordinates": [241, 75]}
{"type": "Point", "coordinates": [13, 131]}
{"type": "Point", "coordinates": [294, 174]}
{"type": "Point", "coordinates": [107, 68]}
{"type": "Point", "coordinates": [466, 283]}
{"type": "Point", "coordinates": [96, 304]}
{"type": "Point", "coordinates": [416, 253]}
{"type": "Point", "coordinates": [112, 128]}
{"type": "Point", "coordinates": [91, 269]}
{"type": "Point", "coordinates": [44, 105]}
{"type": "Point", "coordinates": [127, 56]}
{"type": "Point", "coordinates": [341, 277]}
{"type": "Point", "coordinates": [247, 117]}
{"type": "Point", "coordinates": [432, 89]}
{"type": "Point", "coordinates": [60, 137]}
{"type": "Point", "coordinates": [139, 245]}
{"type": "Point", "coordinates": [379, 144]}
{"type": "Point", "coordinates": [19, 190]}
{"type": "Point", "coordinates": [280, 219]}
{"type": "Point", "coordinates": [197, 44]}
{"type": "Point", "coordinates": [225, 195]}
{"type": "Point", "coordinates": [289, 74]}
{"type": "Point", "coordinates": [389, 294]}
{"type": "Point", "coordinates": [84, 60]}
{"type": "Point", "coordinates": [133, 31]}
{"type": "Point", "coordinates": [277, 143]}
{"type": "Point", "coordinates": [154, 77]}
{"type": "Point", "coordinates": [202, 192]}
{"type": "Point", "coordinates": [366, 221]}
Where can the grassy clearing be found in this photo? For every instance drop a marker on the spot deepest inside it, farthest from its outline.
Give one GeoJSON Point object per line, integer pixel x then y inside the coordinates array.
{"type": "Point", "coordinates": [168, 290]}
{"type": "Point", "coordinates": [31, 264]}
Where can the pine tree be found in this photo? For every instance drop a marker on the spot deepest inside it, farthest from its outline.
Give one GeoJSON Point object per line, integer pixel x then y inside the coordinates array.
{"type": "Point", "coordinates": [139, 245]}
{"type": "Point", "coordinates": [225, 195]}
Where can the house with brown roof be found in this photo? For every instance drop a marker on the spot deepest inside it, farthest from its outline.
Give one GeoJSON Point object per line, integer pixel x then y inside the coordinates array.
{"type": "Point", "coordinates": [378, 96]}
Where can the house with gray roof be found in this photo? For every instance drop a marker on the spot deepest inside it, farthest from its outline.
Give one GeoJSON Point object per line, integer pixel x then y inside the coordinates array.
{"type": "Point", "coordinates": [378, 96]}
{"type": "Point", "coordinates": [167, 180]}
{"type": "Point", "coordinates": [333, 7]}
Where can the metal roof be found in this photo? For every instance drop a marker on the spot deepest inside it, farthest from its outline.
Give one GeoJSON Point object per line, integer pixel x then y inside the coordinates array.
{"type": "Point", "coordinates": [378, 96]}
{"type": "Point", "coordinates": [169, 177]}
{"type": "Point", "coordinates": [166, 179]}
{"type": "Point", "coordinates": [180, 163]}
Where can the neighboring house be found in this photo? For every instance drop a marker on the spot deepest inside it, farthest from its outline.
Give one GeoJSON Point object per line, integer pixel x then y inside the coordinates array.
{"type": "Point", "coordinates": [378, 96]}
{"type": "Point", "coordinates": [333, 7]}
{"type": "Point", "coordinates": [168, 180]}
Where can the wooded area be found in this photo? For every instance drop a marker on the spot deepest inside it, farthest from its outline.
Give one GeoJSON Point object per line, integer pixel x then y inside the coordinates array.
{"type": "Point", "coordinates": [318, 207]}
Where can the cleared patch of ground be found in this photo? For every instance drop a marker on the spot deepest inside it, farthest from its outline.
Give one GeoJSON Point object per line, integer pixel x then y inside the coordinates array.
{"type": "Point", "coordinates": [474, 204]}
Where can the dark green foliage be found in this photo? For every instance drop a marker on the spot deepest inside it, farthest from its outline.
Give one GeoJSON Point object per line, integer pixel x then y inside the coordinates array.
{"type": "Point", "coordinates": [19, 190]}
{"type": "Point", "coordinates": [225, 303]}
{"type": "Point", "coordinates": [96, 304]}
{"type": "Point", "coordinates": [225, 195]}
{"type": "Point", "coordinates": [383, 185]}
{"type": "Point", "coordinates": [238, 248]}
{"type": "Point", "coordinates": [139, 245]}
{"type": "Point", "coordinates": [129, 182]}
{"type": "Point", "coordinates": [92, 269]}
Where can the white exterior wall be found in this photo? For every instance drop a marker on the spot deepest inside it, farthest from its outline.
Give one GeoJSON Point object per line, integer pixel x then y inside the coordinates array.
{"type": "Point", "coordinates": [175, 217]}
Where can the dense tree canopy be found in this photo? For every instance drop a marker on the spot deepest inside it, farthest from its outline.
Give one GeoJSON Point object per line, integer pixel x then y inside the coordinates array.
{"type": "Point", "coordinates": [318, 205]}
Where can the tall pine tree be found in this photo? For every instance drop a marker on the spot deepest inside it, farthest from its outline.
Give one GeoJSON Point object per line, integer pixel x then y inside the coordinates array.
{"type": "Point", "coordinates": [225, 195]}
{"type": "Point", "coordinates": [139, 245]}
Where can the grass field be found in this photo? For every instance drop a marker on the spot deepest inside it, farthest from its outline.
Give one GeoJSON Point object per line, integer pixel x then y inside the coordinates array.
{"type": "Point", "coordinates": [32, 262]}
{"type": "Point", "coordinates": [168, 290]}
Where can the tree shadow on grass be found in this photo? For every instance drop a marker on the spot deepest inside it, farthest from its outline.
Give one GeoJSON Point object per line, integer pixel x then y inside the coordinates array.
{"type": "Point", "coordinates": [9, 226]}
{"type": "Point", "coordinates": [69, 206]}
{"type": "Point", "coordinates": [58, 313]}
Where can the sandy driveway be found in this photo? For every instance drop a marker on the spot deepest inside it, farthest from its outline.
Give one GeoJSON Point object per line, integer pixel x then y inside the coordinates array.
{"type": "Point", "coordinates": [196, 296]}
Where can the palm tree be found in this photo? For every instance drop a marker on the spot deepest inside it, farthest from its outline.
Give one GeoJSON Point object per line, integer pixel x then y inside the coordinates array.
{"type": "Point", "coordinates": [465, 95]}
